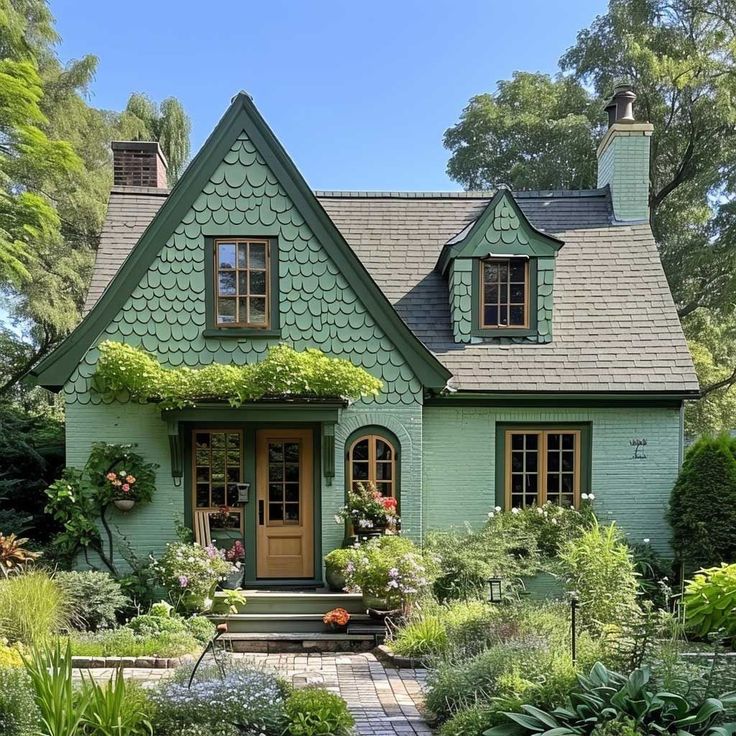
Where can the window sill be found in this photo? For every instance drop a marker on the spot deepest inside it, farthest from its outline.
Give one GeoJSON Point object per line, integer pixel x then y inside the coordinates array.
{"type": "Point", "coordinates": [503, 332]}
{"type": "Point", "coordinates": [236, 332]}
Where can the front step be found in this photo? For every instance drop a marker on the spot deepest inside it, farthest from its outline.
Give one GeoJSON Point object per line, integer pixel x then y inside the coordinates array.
{"type": "Point", "coordinates": [298, 602]}
{"type": "Point", "coordinates": [307, 642]}
{"type": "Point", "coordinates": [279, 623]}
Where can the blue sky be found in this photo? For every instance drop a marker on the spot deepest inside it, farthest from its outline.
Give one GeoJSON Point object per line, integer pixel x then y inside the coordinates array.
{"type": "Point", "coordinates": [359, 93]}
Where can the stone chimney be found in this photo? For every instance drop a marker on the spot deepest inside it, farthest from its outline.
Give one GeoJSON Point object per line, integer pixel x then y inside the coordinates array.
{"type": "Point", "coordinates": [623, 158]}
{"type": "Point", "coordinates": [138, 164]}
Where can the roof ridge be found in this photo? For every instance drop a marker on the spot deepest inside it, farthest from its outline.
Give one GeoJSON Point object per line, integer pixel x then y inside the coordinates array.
{"type": "Point", "coordinates": [470, 194]}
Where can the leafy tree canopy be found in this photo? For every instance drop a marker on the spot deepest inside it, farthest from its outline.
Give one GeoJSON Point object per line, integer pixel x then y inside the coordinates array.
{"type": "Point", "coordinates": [55, 176]}
{"type": "Point", "coordinates": [540, 132]}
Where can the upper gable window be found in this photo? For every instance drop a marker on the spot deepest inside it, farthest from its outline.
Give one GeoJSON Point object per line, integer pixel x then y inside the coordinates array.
{"type": "Point", "coordinates": [242, 283]}
{"type": "Point", "coordinates": [504, 293]}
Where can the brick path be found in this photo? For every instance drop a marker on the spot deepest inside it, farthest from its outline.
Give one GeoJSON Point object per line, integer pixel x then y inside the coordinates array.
{"type": "Point", "coordinates": [383, 701]}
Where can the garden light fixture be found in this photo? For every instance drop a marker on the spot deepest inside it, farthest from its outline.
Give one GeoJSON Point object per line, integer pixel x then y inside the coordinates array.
{"type": "Point", "coordinates": [494, 590]}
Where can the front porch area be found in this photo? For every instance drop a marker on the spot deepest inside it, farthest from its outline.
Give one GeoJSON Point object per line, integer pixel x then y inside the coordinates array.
{"type": "Point", "coordinates": [291, 621]}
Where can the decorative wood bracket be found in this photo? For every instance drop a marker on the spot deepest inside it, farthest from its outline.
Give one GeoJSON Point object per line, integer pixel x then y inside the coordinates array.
{"type": "Point", "coordinates": [175, 449]}
{"type": "Point", "coordinates": [328, 452]}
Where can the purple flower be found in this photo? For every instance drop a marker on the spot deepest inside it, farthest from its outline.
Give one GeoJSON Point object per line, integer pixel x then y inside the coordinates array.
{"type": "Point", "coordinates": [183, 581]}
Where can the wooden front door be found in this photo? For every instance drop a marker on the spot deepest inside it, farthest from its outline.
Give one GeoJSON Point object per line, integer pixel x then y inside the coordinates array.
{"type": "Point", "coordinates": [285, 494]}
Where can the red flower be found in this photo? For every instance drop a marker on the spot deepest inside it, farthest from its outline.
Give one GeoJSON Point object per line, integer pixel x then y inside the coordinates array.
{"type": "Point", "coordinates": [389, 503]}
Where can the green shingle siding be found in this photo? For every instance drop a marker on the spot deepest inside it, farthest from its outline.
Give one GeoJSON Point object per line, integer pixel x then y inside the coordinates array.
{"type": "Point", "coordinates": [460, 463]}
{"type": "Point", "coordinates": [166, 315]}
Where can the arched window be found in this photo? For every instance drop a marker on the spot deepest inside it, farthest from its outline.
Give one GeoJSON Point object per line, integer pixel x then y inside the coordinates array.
{"type": "Point", "coordinates": [372, 458]}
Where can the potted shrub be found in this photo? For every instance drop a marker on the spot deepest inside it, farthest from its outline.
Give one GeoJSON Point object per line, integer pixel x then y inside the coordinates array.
{"type": "Point", "coordinates": [336, 563]}
{"type": "Point", "coordinates": [336, 620]}
{"type": "Point", "coordinates": [235, 555]}
{"type": "Point", "coordinates": [369, 512]}
{"type": "Point", "coordinates": [391, 573]}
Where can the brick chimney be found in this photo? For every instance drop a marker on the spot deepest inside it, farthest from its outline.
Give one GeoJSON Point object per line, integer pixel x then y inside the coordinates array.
{"type": "Point", "coordinates": [138, 164]}
{"type": "Point", "coordinates": [623, 158]}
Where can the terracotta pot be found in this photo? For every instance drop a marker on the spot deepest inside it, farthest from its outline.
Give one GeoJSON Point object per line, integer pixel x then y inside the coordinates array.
{"type": "Point", "coordinates": [124, 504]}
{"type": "Point", "coordinates": [335, 579]}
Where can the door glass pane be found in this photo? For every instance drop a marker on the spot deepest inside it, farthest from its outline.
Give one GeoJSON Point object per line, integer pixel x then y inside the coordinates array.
{"type": "Point", "coordinates": [284, 482]}
{"type": "Point", "coordinates": [217, 471]}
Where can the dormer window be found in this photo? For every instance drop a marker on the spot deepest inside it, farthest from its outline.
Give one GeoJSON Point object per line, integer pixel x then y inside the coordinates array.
{"type": "Point", "coordinates": [504, 293]}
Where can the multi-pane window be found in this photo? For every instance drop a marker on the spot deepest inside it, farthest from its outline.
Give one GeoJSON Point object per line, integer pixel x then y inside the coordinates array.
{"type": "Point", "coordinates": [504, 293]}
{"type": "Point", "coordinates": [284, 482]}
{"type": "Point", "coordinates": [242, 274]}
{"type": "Point", "coordinates": [218, 467]}
{"type": "Point", "coordinates": [541, 466]}
{"type": "Point", "coordinates": [372, 458]}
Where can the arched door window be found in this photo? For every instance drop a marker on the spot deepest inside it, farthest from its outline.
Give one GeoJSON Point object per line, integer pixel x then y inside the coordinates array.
{"type": "Point", "coordinates": [372, 458]}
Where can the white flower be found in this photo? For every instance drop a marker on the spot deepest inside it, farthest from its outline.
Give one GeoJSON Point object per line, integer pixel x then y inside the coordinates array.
{"type": "Point", "coordinates": [540, 511]}
{"type": "Point", "coordinates": [646, 541]}
{"type": "Point", "coordinates": [515, 510]}
{"type": "Point", "coordinates": [491, 514]}
{"type": "Point", "coordinates": [591, 497]}
{"type": "Point", "coordinates": [584, 496]}
{"type": "Point", "coordinates": [497, 509]}
{"type": "Point", "coordinates": [338, 519]}
{"type": "Point", "coordinates": [207, 604]}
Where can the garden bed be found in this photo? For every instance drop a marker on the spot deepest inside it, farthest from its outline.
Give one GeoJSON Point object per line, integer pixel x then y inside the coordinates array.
{"type": "Point", "coordinates": [388, 657]}
{"type": "Point", "coordinates": [154, 663]}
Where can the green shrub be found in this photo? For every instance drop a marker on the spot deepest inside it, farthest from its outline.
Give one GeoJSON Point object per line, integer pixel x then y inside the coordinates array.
{"type": "Point", "coordinates": [471, 721]}
{"type": "Point", "coordinates": [312, 712]}
{"type": "Point", "coordinates": [96, 596]}
{"type": "Point", "coordinates": [245, 700]}
{"type": "Point", "coordinates": [702, 536]}
{"type": "Point", "coordinates": [391, 568]}
{"type": "Point", "coordinates": [33, 607]}
{"type": "Point", "coordinates": [10, 654]}
{"type": "Point", "coordinates": [710, 601]}
{"type": "Point", "coordinates": [124, 642]}
{"type": "Point", "coordinates": [117, 708]}
{"type": "Point", "coordinates": [338, 559]}
{"type": "Point", "coordinates": [62, 707]}
{"type": "Point", "coordinates": [19, 715]}
{"type": "Point", "coordinates": [652, 572]}
{"type": "Point", "coordinates": [149, 625]}
{"type": "Point", "coordinates": [598, 567]}
{"type": "Point", "coordinates": [423, 637]}
{"type": "Point", "coordinates": [190, 572]}
{"type": "Point", "coordinates": [605, 696]}
{"type": "Point", "coordinates": [469, 557]}
{"type": "Point", "coordinates": [462, 628]}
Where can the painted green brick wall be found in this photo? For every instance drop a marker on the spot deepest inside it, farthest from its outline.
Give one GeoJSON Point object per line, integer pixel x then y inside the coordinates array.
{"type": "Point", "coordinates": [624, 166]}
{"type": "Point", "coordinates": [459, 464]}
{"type": "Point", "coordinates": [166, 315]}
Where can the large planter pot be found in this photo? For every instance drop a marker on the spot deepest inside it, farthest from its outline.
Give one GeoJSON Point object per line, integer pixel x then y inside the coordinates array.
{"type": "Point", "coordinates": [233, 580]}
{"type": "Point", "coordinates": [124, 504]}
{"type": "Point", "coordinates": [335, 579]}
{"type": "Point", "coordinates": [378, 606]}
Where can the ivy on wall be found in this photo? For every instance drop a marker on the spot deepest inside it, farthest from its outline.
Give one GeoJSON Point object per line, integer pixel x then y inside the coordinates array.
{"type": "Point", "coordinates": [125, 369]}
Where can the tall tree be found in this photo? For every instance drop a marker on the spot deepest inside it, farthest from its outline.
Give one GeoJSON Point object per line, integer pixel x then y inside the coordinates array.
{"type": "Point", "coordinates": [679, 55]}
{"type": "Point", "coordinates": [61, 174]}
{"type": "Point", "coordinates": [166, 123]}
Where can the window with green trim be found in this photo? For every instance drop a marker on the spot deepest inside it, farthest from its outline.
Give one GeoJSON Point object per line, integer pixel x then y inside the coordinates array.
{"type": "Point", "coordinates": [504, 293]}
{"type": "Point", "coordinates": [242, 283]}
{"type": "Point", "coordinates": [542, 465]}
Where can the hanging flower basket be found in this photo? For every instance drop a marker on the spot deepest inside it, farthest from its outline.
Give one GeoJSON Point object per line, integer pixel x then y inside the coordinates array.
{"type": "Point", "coordinates": [124, 504]}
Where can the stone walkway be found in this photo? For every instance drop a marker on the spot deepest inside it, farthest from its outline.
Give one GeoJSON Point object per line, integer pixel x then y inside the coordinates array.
{"type": "Point", "coordinates": [384, 702]}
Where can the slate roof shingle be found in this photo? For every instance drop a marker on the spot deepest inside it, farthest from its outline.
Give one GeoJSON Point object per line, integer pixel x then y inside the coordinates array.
{"type": "Point", "coordinates": [615, 327]}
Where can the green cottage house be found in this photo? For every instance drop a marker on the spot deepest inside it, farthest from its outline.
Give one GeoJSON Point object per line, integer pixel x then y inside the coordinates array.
{"type": "Point", "coordinates": [527, 343]}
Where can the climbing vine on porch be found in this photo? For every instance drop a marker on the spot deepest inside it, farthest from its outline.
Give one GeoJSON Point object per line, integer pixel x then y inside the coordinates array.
{"type": "Point", "coordinates": [284, 372]}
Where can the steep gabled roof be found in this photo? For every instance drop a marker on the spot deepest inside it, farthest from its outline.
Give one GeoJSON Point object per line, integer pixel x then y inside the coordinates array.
{"type": "Point", "coordinates": [615, 325]}
{"type": "Point", "coordinates": [242, 115]}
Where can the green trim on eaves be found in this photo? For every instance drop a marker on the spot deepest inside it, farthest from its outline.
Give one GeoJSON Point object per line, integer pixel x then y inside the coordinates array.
{"type": "Point", "coordinates": [242, 115]}
{"type": "Point", "coordinates": [570, 400]}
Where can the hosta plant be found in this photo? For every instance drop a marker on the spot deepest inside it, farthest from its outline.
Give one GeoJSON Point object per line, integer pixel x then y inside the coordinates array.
{"type": "Point", "coordinates": [13, 555]}
{"type": "Point", "coordinates": [605, 697]}
{"type": "Point", "coordinates": [710, 601]}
